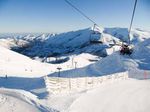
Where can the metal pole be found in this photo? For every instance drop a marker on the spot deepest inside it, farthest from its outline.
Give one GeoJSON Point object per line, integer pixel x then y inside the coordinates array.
{"type": "Point", "coordinates": [132, 20]}
{"type": "Point", "coordinates": [72, 60]}
{"type": "Point", "coordinates": [75, 65]}
{"type": "Point", "coordinates": [59, 74]}
{"type": "Point", "coordinates": [59, 71]}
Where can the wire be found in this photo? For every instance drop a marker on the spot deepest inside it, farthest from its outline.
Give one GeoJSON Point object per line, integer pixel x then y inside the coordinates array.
{"type": "Point", "coordinates": [132, 20]}
{"type": "Point", "coordinates": [83, 14]}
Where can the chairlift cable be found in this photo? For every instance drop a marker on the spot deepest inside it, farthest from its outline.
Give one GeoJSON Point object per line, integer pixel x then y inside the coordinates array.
{"type": "Point", "coordinates": [83, 14]}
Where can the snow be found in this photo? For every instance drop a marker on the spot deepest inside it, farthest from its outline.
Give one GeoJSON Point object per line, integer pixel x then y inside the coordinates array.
{"type": "Point", "coordinates": [80, 41]}
{"type": "Point", "coordinates": [103, 67]}
{"type": "Point", "coordinates": [70, 42]}
{"type": "Point", "coordinates": [136, 36]}
{"type": "Point", "coordinates": [121, 33]}
{"type": "Point", "coordinates": [142, 54]}
{"type": "Point", "coordinates": [75, 42]}
{"type": "Point", "coordinates": [7, 43]}
{"type": "Point", "coordinates": [61, 102]}
{"type": "Point", "coordinates": [139, 60]}
{"type": "Point", "coordinates": [78, 37]}
{"type": "Point", "coordinates": [14, 64]}
{"type": "Point", "coordinates": [19, 101]}
{"type": "Point", "coordinates": [124, 96]}
{"type": "Point", "coordinates": [24, 89]}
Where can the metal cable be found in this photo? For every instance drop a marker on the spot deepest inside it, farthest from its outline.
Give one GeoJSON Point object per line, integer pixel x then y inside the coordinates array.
{"type": "Point", "coordinates": [83, 14]}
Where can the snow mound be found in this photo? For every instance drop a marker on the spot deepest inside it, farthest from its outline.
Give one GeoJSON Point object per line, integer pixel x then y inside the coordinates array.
{"type": "Point", "coordinates": [109, 65]}
{"type": "Point", "coordinates": [124, 96]}
{"type": "Point", "coordinates": [15, 64]}
{"type": "Point", "coordinates": [20, 101]}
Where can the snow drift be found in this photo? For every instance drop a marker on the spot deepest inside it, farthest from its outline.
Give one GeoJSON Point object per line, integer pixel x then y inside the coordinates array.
{"type": "Point", "coordinates": [124, 96]}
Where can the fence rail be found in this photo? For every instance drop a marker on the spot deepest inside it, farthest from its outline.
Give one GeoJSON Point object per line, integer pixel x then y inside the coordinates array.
{"type": "Point", "coordinates": [56, 85]}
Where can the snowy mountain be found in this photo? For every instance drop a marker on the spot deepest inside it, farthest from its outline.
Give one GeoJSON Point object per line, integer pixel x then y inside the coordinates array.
{"type": "Point", "coordinates": [94, 41]}
{"type": "Point", "coordinates": [61, 44]}
{"type": "Point", "coordinates": [71, 42]}
{"type": "Point", "coordinates": [136, 35]}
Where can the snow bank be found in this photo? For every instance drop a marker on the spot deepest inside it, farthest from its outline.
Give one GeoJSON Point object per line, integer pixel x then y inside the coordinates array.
{"type": "Point", "coordinates": [20, 101]}
{"type": "Point", "coordinates": [124, 96]}
{"type": "Point", "coordinates": [109, 65]}
{"type": "Point", "coordinates": [15, 64]}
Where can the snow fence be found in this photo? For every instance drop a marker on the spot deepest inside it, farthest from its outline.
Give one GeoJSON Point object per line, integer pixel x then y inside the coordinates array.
{"type": "Point", "coordinates": [57, 85]}
{"type": "Point", "coordinates": [139, 74]}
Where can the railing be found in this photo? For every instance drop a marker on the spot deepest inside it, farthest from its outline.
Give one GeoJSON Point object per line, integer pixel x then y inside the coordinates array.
{"type": "Point", "coordinates": [56, 85]}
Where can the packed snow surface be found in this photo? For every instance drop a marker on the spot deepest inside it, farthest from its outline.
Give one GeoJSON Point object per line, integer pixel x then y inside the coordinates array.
{"type": "Point", "coordinates": [125, 96]}
{"type": "Point", "coordinates": [20, 101]}
{"type": "Point", "coordinates": [12, 64]}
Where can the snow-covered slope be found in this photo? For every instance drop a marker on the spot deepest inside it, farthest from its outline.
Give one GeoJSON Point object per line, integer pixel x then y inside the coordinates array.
{"type": "Point", "coordinates": [37, 37]}
{"type": "Point", "coordinates": [124, 96]}
{"type": "Point", "coordinates": [12, 64]}
{"type": "Point", "coordinates": [20, 101]}
{"type": "Point", "coordinates": [14, 44]}
{"type": "Point", "coordinates": [60, 44]}
{"type": "Point", "coordinates": [103, 67]}
{"type": "Point", "coordinates": [136, 35]}
{"type": "Point", "coordinates": [142, 54]}
{"type": "Point", "coordinates": [7, 43]}
{"type": "Point", "coordinates": [121, 33]}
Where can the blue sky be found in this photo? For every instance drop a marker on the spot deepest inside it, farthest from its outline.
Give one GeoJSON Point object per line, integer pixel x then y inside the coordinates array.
{"type": "Point", "coordinates": [57, 16]}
